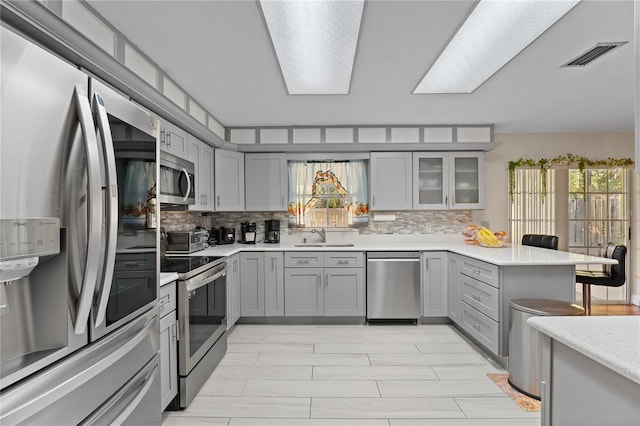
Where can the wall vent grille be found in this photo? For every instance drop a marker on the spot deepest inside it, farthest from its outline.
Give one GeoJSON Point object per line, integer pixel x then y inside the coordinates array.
{"type": "Point", "coordinates": [593, 53]}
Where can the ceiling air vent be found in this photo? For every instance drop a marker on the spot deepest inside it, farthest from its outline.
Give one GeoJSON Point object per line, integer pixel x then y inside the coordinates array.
{"type": "Point", "coordinates": [593, 53]}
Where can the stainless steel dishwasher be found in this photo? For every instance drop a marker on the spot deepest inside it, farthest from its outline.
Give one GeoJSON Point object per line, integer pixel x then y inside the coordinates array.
{"type": "Point", "coordinates": [393, 286]}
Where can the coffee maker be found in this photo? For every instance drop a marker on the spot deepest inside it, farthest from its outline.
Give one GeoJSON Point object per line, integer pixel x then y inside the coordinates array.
{"type": "Point", "coordinates": [272, 231]}
{"type": "Point", "coordinates": [248, 232]}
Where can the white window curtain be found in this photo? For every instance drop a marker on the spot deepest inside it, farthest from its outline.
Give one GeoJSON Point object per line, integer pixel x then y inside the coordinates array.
{"type": "Point", "coordinates": [532, 211]}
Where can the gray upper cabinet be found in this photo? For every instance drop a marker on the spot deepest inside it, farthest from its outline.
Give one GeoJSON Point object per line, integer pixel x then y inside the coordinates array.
{"type": "Point", "coordinates": [434, 284]}
{"type": "Point", "coordinates": [201, 155]}
{"type": "Point", "coordinates": [448, 180]}
{"type": "Point", "coordinates": [229, 181]}
{"type": "Point", "coordinates": [173, 140]}
{"type": "Point", "coordinates": [266, 182]}
{"type": "Point", "coordinates": [391, 181]}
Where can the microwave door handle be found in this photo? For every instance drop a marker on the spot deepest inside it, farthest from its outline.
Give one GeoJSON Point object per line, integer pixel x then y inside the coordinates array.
{"type": "Point", "coordinates": [112, 205]}
{"type": "Point", "coordinates": [94, 196]}
{"type": "Point", "coordinates": [186, 174]}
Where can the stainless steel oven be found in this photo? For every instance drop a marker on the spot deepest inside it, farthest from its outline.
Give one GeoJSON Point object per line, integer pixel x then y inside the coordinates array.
{"type": "Point", "coordinates": [202, 307]}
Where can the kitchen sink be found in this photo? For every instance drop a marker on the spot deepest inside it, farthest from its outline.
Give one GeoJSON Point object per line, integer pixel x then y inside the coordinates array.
{"type": "Point", "coordinates": [323, 245]}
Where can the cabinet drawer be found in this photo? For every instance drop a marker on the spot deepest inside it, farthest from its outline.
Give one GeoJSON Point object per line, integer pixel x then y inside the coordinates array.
{"type": "Point", "coordinates": [481, 296]}
{"type": "Point", "coordinates": [303, 259]}
{"type": "Point", "coordinates": [483, 271]}
{"type": "Point", "coordinates": [344, 259]}
{"type": "Point", "coordinates": [482, 328]}
{"type": "Point", "coordinates": [167, 302]}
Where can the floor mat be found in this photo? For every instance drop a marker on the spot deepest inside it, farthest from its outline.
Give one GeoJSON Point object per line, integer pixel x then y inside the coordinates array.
{"type": "Point", "coordinates": [525, 402]}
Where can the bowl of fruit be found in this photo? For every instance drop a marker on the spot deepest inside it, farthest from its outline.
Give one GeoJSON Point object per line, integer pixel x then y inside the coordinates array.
{"type": "Point", "coordinates": [479, 235]}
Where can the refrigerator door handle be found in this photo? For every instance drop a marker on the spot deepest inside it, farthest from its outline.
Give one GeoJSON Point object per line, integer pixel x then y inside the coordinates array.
{"type": "Point", "coordinates": [112, 205]}
{"type": "Point", "coordinates": [94, 225]}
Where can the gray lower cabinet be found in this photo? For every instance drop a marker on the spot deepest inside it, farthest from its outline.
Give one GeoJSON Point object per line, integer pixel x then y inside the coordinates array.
{"type": "Point", "coordinates": [233, 290]}
{"type": "Point", "coordinates": [168, 344]}
{"type": "Point", "coordinates": [434, 284]}
{"type": "Point", "coordinates": [303, 295]}
{"type": "Point", "coordinates": [344, 292]}
{"type": "Point", "coordinates": [274, 284]}
{"type": "Point", "coordinates": [261, 284]}
{"type": "Point", "coordinates": [480, 292]}
{"type": "Point", "coordinates": [453, 291]}
{"type": "Point", "coordinates": [311, 289]}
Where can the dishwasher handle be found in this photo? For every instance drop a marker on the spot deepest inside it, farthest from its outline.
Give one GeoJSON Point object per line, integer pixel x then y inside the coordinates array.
{"type": "Point", "coordinates": [393, 260]}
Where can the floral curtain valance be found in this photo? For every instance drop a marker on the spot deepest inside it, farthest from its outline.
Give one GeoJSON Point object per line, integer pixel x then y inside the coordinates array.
{"type": "Point", "coordinates": [562, 160]}
{"type": "Point", "coordinates": [328, 193]}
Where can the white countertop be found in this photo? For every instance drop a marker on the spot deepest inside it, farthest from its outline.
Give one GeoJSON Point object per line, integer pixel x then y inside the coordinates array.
{"type": "Point", "coordinates": [516, 255]}
{"type": "Point", "coordinates": [167, 277]}
{"type": "Point", "coordinates": [613, 341]}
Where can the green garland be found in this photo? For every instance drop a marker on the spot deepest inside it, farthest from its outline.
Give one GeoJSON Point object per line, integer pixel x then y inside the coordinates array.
{"type": "Point", "coordinates": [562, 160]}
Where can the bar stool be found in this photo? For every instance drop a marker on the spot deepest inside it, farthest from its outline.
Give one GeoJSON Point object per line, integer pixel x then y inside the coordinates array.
{"type": "Point", "coordinates": [540, 240]}
{"type": "Point", "coordinates": [610, 276]}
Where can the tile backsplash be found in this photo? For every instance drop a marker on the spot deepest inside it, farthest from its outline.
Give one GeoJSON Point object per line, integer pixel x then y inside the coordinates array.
{"type": "Point", "coordinates": [406, 222]}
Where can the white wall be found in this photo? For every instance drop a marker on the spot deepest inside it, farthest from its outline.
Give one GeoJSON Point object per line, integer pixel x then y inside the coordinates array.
{"type": "Point", "coordinates": [546, 145]}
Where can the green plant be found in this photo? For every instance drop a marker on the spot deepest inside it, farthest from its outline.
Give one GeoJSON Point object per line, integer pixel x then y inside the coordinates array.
{"type": "Point", "coordinates": [562, 160]}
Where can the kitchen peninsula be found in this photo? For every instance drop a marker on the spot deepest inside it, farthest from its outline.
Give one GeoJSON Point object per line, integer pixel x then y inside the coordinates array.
{"type": "Point", "coordinates": [473, 285]}
{"type": "Point", "coordinates": [590, 370]}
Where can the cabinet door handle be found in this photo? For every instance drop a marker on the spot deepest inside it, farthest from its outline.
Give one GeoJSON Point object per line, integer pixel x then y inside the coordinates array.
{"type": "Point", "coordinates": [303, 261]}
{"type": "Point", "coordinates": [282, 201]}
{"type": "Point", "coordinates": [273, 263]}
{"type": "Point", "coordinates": [343, 262]}
{"type": "Point", "coordinates": [426, 264]}
{"type": "Point", "coordinates": [476, 297]}
{"type": "Point", "coordinates": [218, 199]}
{"type": "Point", "coordinates": [177, 328]}
{"type": "Point", "coordinates": [168, 140]}
{"type": "Point", "coordinates": [373, 201]}
{"type": "Point", "coordinates": [162, 138]}
{"type": "Point", "coordinates": [446, 200]}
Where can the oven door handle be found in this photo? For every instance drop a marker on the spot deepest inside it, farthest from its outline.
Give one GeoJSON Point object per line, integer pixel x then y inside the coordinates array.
{"type": "Point", "coordinates": [196, 285]}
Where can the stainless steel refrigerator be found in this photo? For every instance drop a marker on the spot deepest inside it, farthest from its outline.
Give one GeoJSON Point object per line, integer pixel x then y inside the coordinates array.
{"type": "Point", "coordinates": [79, 337]}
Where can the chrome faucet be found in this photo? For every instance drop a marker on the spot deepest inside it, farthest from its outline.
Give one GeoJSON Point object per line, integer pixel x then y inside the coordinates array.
{"type": "Point", "coordinates": [322, 233]}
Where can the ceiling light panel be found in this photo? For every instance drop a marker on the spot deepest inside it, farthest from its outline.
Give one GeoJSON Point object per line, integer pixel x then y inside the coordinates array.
{"type": "Point", "coordinates": [494, 33]}
{"type": "Point", "coordinates": [315, 42]}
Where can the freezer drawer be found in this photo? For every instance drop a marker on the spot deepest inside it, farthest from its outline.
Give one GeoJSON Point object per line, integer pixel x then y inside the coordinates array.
{"type": "Point", "coordinates": [393, 285]}
{"type": "Point", "coordinates": [77, 387]}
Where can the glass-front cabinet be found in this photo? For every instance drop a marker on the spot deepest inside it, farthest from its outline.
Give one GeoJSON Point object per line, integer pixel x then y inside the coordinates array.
{"type": "Point", "coordinates": [453, 180]}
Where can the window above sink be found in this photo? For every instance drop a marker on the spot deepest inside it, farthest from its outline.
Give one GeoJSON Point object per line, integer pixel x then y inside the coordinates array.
{"type": "Point", "coordinates": [331, 194]}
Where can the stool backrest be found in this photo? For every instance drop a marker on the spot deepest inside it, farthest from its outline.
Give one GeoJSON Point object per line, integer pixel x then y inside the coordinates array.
{"type": "Point", "coordinates": [616, 272]}
{"type": "Point", "coordinates": [540, 240]}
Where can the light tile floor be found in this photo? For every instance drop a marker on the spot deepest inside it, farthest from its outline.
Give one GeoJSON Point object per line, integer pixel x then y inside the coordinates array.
{"type": "Point", "coordinates": [352, 375]}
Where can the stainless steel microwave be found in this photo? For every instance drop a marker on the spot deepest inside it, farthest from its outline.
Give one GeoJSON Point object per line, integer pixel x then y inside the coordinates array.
{"type": "Point", "coordinates": [177, 180]}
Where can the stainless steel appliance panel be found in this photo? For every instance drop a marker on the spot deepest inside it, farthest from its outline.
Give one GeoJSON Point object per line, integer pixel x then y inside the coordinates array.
{"type": "Point", "coordinates": [177, 180]}
{"type": "Point", "coordinates": [70, 391]}
{"type": "Point", "coordinates": [190, 385]}
{"type": "Point", "coordinates": [201, 315]}
{"type": "Point", "coordinates": [129, 152]}
{"type": "Point", "coordinates": [48, 141]}
{"type": "Point", "coordinates": [393, 285]}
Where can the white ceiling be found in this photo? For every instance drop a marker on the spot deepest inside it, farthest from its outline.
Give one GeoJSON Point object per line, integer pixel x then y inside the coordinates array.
{"type": "Point", "coordinates": [220, 52]}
